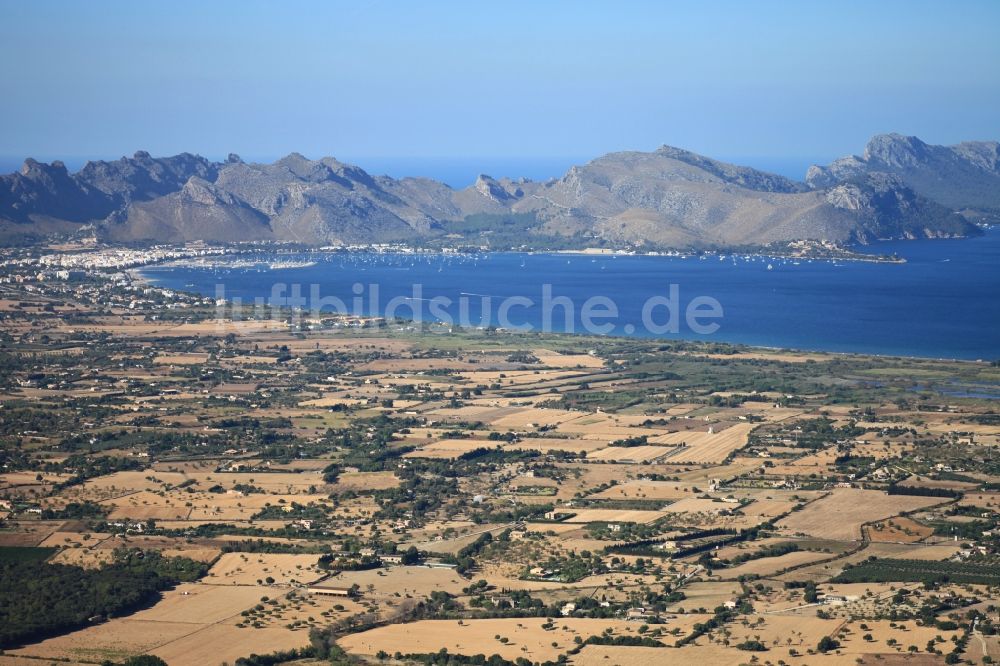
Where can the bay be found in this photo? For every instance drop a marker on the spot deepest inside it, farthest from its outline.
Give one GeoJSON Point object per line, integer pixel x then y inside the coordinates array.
{"type": "Point", "coordinates": [944, 302]}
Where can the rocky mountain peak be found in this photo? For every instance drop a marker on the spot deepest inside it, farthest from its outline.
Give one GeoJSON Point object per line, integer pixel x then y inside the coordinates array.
{"type": "Point", "coordinates": [34, 169]}
{"type": "Point", "coordinates": [743, 176]}
{"type": "Point", "coordinates": [896, 150]}
{"type": "Point", "coordinates": [198, 190]}
{"type": "Point", "coordinates": [495, 190]}
{"type": "Point", "coordinates": [306, 169]}
{"type": "Point", "coordinates": [963, 177]}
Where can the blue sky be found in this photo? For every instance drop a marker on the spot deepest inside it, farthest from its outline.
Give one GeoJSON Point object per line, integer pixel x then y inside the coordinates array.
{"type": "Point", "coordinates": [506, 81]}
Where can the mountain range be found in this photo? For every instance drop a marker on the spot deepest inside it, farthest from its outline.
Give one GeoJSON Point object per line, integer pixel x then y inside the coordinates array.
{"type": "Point", "coordinates": [964, 177]}
{"type": "Point", "coordinates": [669, 198]}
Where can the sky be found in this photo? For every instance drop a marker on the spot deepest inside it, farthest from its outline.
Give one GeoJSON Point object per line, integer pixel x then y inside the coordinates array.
{"type": "Point", "coordinates": [410, 85]}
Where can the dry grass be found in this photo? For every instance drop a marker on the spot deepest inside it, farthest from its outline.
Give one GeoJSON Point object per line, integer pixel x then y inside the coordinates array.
{"type": "Point", "coordinates": [554, 360]}
{"type": "Point", "coordinates": [905, 530]}
{"type": "Point", "coordinates": [192, 624]}
{"type": "Point", "coordinates": [74, 539]}
{"type": "Point", "coordinates": [88, 558]}
{"type": "Point", "coordinates": [206, 555]}
{"type": "Point", "coordinates": [840, 515]}
{"type": "Point", "coordinates": [144, 505]}
{"type": "Point", "coordinates": [366, 481]}
{"type": "Point", "coordinates": [802, 629]}
{"type": "Point", "coordinates": [449, 449]}
{"type": "Point", "coordinates": [984, 500]}
{"type": "Point", "coordinates": [605, 655]}
{"type": "Point", "coordinates": [699, 505]}
{"type": "Point", "coordinates": [905, 633]}
{"type": "Point", "coordinates": [767, 566]}
{"type": "Point", "coordinates": [188, 358]}
{"type": "Point", "coordinates": [707, 595]}
{"type": "Point", "coordinates": [533, 417]}
{"type": "Point", "coordinates": [223, 643]}
{"type": "Point", "coordinates": [711, 448]}
{"type": "Point", "coordinates": [525, 637]}
{"type": "Point", "coordinates": [403, 581]}
{"type": "Point", "coordinates": [115, 640]}
{"type": "Point", "coordinates": [248, 568]}
{"type": "Point", "coordinates": [614, 516]}
{"type": "Point", "coordinates": [202, 603]}
{"type": "Point", "coordinates": [15, 479]}
{"type": "Point", "coordinates": [632, 454]}
{"type": "Point", "coordinates": [661, 490]}
{"type": "Point", "coordinates": [332, 401]}
{"type": "Point", "coordinates": [546, 444]}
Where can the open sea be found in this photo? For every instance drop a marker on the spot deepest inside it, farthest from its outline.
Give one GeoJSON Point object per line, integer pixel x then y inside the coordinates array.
{"type": "Point", "coordinates": [944, 302]}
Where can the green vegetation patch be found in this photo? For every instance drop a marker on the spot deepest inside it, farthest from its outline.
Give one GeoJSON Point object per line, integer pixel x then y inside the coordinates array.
{"type": "Point", "coordinates": [38, 600]}
{"type": "Point", "coordinates": [919, 571]}
{"type": "Point", "coordinates": [18, 554]}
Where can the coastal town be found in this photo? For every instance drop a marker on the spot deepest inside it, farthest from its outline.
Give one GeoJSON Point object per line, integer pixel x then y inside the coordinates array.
{"type": "Point", "coordinates": [72, 260]}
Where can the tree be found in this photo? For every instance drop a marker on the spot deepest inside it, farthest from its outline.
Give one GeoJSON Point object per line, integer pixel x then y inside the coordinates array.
{"type": "Point", "coordinates": [42, 600]}
{"type": "Point", "coordinates": [411, 556]}
{"type": "Point", "coordinates": [144, 660]}
{"type": "Point", "coordinates": [826, 644]}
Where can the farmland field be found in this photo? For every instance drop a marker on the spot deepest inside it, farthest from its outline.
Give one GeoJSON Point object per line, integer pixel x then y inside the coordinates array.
{"type": "Point", "coordinates": [634, 454]}
{"type": "Point", "coordinates": [294, 486]}
{"type": "Point", "coordinates": [525, 637]}
{"type": "Point", "coordinates": [841, 514]}
{"type": "Point", "coordinates": [767, 566]}
{"type": "Point", "coordinates": [248, 568]}
{"type": "Point", "coordinates": [709, 448]}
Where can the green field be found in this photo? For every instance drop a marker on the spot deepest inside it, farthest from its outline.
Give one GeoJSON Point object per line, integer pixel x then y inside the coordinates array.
{"type": "Point", "coordinates": [918, 571]}
{"type": "Point", "coordinates": [25, 554]}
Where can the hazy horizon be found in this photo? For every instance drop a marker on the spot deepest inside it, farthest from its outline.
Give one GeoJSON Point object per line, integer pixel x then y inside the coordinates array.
{"type": "Point", "coordinates": [533, 81]}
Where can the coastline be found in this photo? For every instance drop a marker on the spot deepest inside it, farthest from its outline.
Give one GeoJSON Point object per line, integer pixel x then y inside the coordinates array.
{"type": "Point", "coordinates": [736, 347]}
{"type": "Point", "coordinates": [868, 313]}
{"type": "Point", "coordinates": [224, 261]}
{"type": "Point", "coordinates": [111, 257]}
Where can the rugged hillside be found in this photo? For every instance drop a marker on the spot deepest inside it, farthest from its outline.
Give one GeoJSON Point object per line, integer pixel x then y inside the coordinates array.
{"type": "Point", "coordinates": [40, 192]}
{"type": "Point", "coordinates": [199, 210]}
{"type": "Point", "coordinates": [964, 177]}
{"type": "Point", "coordinates": [675, 198]}
{"type": "Point", "coordinates": [667, 198]}
{"type": "Point", "coordinates": [142, 177]}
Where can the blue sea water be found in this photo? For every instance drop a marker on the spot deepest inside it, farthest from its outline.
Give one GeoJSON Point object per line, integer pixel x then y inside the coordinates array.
{"type": "Point", "coordinates": [944, 302]}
